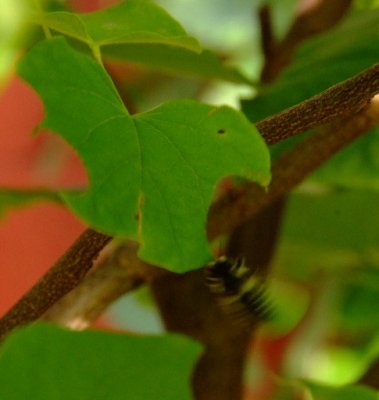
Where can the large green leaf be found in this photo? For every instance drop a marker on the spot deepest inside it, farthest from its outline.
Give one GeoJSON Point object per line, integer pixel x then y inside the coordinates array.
{"type": "Point", "coordinates": [43, 362]}
{"type": "Point", "coordinates": [152, 176]}
{"type": "Point", "coordinates": [132, 21]}
{"type": "Point", "coordinates": [320, 63]}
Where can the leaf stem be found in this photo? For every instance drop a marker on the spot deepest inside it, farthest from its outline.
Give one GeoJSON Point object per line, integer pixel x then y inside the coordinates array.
{"type": "Point", "coordinates": [96, 53]}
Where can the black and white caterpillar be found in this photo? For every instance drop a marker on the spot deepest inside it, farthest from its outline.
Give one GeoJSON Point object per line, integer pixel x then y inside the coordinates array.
{"type": "Point", "coordinates": [238, 290]}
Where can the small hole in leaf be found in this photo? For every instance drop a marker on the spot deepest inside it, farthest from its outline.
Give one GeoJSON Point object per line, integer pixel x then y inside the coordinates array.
{"type": "Point", "coordinates": [221, 131]}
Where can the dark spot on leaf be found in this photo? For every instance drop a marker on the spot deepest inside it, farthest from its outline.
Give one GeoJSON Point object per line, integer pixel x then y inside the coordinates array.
{"type": "Point", "coordinates": [136, 217]}
{"type": "Point", "coordinates": [221, 131]}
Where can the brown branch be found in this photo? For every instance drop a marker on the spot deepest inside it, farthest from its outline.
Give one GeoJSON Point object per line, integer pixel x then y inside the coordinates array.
{"type": "Point", "coordinates": [267, 38]}
{"type": "Point", "coordinates": [339, 101]}
{"type": "Point", "coordinates": [119, 272]}
{"type": "Point", "coordinates": [68, 271]}
{"type": "Point", "coordinates": [288, 171]}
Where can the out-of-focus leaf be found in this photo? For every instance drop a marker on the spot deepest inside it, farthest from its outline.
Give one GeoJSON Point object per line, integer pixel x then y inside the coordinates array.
{"type": "Point", "coordinates": [354, 392]}
{"type": "Point", "coordinates": [16, 198]}
{"type": "Point", "coordinates": [356, 167]}
{"type": "Point", "coordinates": [13, 23]}
{"type": "Point", "coordinates": [132, 21]}
{"type": "Point", "coordinates": [356, 312]}
{"type": "Point", "coordinates": [179, 61]}
{"type": "Point", "coordinates": [289, 304]}
{"type": "Point", "coordinates": [43, 362]}
{"type": "Point", "coordinates": [329, 230]}
{"type": "Point", "coordinates": [152, 175]}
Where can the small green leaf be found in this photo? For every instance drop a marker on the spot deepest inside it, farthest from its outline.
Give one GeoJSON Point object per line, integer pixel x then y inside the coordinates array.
{"type": "Point", "coordinates": [353, 392]}
{"type": "Point", "coordinates": [10, 198]}
{"type": "Point", "coordinates": [152, 176]}
{"type": "Point", "coordinates": [43, 362]}
{"type": "Point", "coordinates": [132, 21]}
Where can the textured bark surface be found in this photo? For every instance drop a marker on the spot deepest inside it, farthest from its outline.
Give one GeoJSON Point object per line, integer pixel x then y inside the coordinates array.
{"type": "Point", "coordinates": [64, 276]}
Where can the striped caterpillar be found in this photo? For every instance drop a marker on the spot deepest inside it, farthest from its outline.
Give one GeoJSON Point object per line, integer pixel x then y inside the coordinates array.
{"type": "Point", "coordinates": [238, 290]}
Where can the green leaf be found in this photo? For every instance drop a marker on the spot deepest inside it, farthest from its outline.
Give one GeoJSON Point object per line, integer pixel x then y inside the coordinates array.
{"type": "Point", "coordinates": [10, 198]}
{"type": "Point", "coordinates": [152, 175]}
{"type": "Point", "coordinates": [320, 63]}
{"type": "Point", "coordinates": [43, 362]}
{"type": "Point", "coordinates": [353, 392]}
{"type": "Point", "coordinates": [141, 32]}
{"type": "Point", "coordinates": [132, 21]}
{"type": "Point", "coordinates": [176, 60]}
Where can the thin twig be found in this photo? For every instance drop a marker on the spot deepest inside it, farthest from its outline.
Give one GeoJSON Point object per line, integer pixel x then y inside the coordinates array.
{"type": "Point", "coordinates": [267, 38]}
{"type": "Point", "coordinates": [68, 271]}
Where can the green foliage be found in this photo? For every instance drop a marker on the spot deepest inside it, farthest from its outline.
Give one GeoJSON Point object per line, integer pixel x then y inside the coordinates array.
{"type": "Point", "coordinates": [141, 32]}
{"type": "Point", "coordinates": [13, 23]}
{"type": "Point", "coordinates": [319, 63]}
{"type": "Point", "coordinates": [319, 392]}
{"type": "Point", "coordinates": [152, 175]}
{"type": "Point", "coordinates": [17, 198]}
{"type": "Point", "coordinates": [43, 362]}
{"type": "Point", "coordinates": [326, 224]}
{"type": "Point", "coordinates": [309, 390]}
{"type": "Point", "coordinates": [176, 60]}
{"type": "Point", "coordinates": [355, 167]}
{"type": "Point", "coordinates": [132, 21]}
